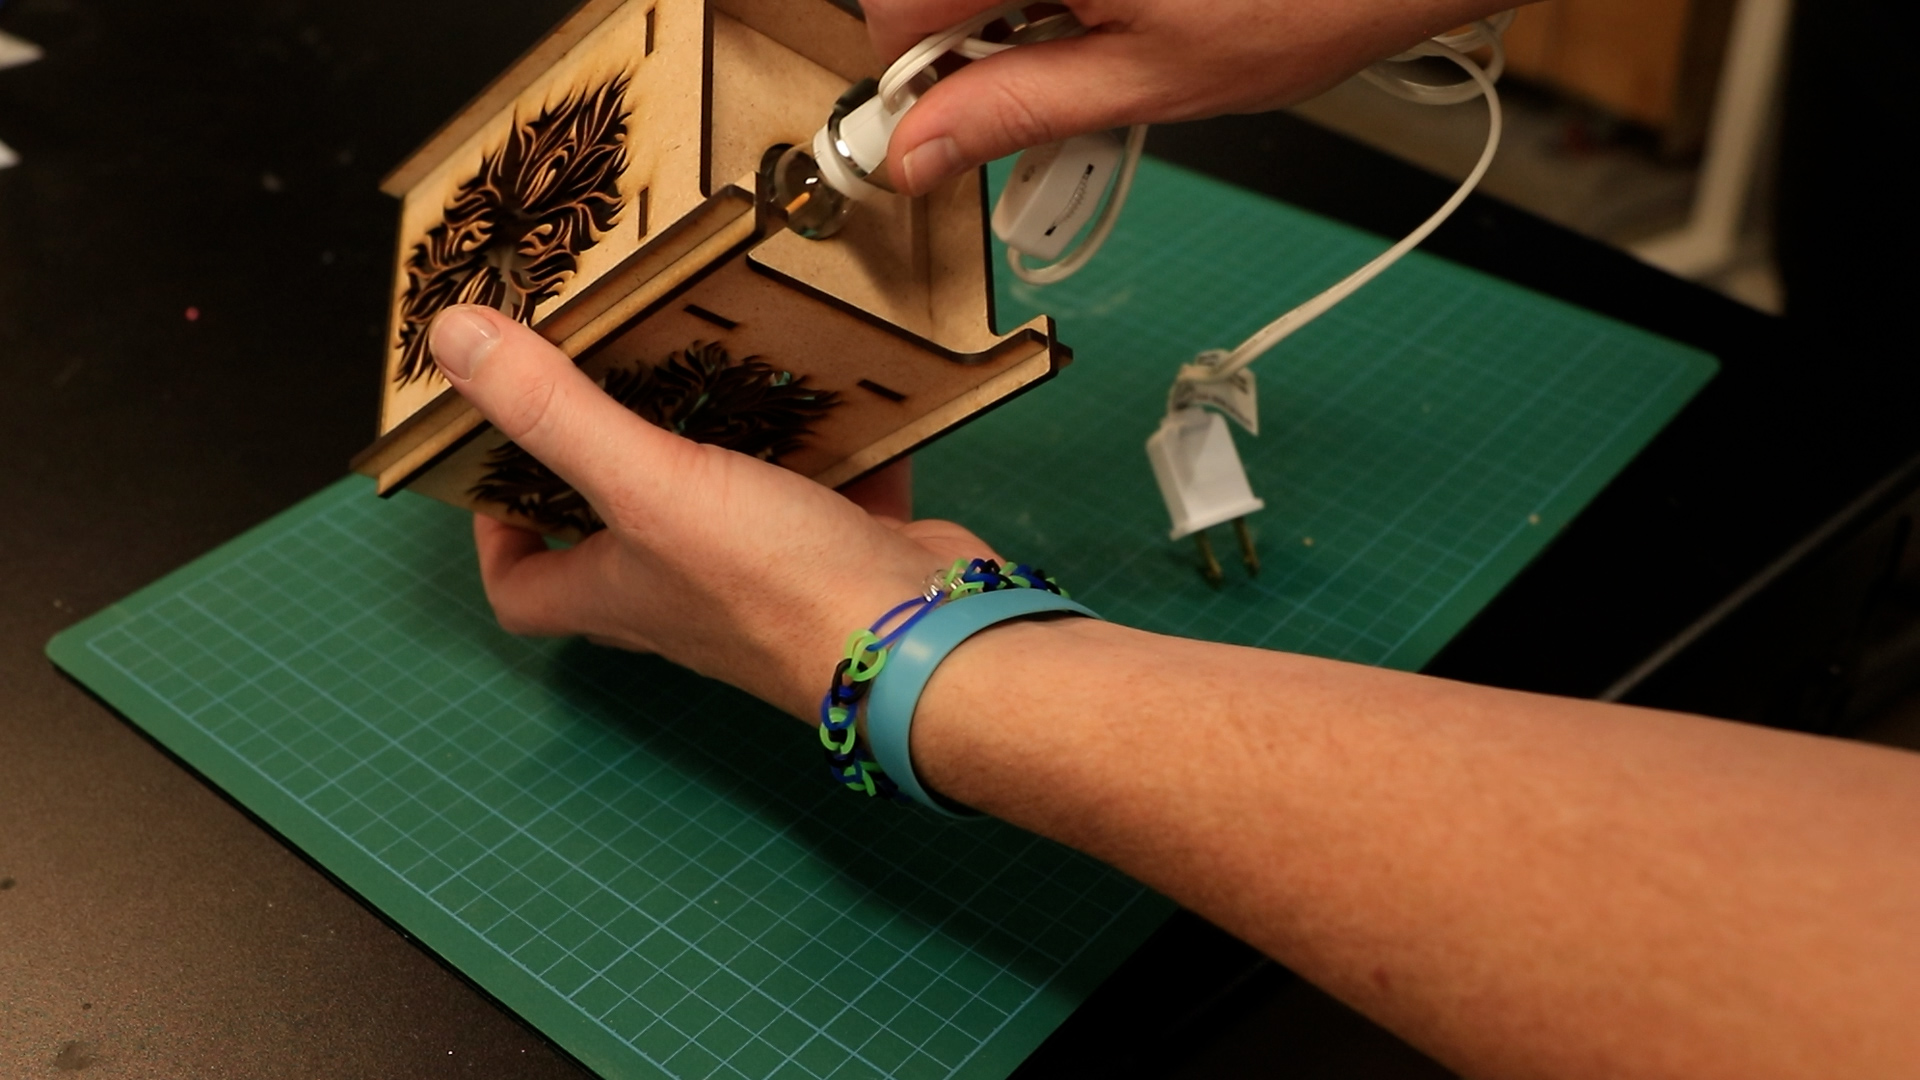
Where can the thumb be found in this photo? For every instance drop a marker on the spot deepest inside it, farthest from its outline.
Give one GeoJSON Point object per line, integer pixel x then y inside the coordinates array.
{"type": "Point", "coordinates": [1020, 98]}
{"type": "Point", "coordinates": [538, 398]}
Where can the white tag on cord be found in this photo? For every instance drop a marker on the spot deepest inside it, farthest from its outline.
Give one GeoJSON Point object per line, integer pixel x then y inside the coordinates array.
{"type": "Point", "coordinates": [1053, 193]}
{"type": "Point", "coordinates": [1235, 394]}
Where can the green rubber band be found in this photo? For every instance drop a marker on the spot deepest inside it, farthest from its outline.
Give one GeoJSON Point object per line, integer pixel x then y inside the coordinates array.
{"type": "Point", "coordinates": [843, 747]}
{"type": "Point", "coordinates": [866, 672]}
{"type": "Point", "coordinates": [863, 660]}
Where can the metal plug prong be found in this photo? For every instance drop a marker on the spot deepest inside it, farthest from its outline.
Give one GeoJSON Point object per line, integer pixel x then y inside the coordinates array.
{"type": "Point", "coordinates": [1209, 566]}
{"type": "Point", "coordinates": [1247, 553]}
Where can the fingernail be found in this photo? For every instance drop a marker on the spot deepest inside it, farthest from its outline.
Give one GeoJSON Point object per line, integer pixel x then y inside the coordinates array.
{"type": "Point", "coordinates": [460, 340]}
{"type": "Point", "coordinates": [931, 164]}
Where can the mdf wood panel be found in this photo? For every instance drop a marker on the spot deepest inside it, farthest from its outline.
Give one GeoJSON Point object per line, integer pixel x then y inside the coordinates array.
{"type": "Point", "coordinates": [585, 204]}
{"type": "Point", "coordinates": [659, 48]}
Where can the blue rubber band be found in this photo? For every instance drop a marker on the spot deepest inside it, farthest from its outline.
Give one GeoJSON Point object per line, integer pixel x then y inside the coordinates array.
{"type": "Point", "coordinates": [896, 691]}
{"type": "Point", "coordinates": [897, 632]}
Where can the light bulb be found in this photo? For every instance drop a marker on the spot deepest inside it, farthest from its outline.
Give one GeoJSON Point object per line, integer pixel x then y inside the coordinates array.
{"type": "Point", "coordinates": [815, 209]}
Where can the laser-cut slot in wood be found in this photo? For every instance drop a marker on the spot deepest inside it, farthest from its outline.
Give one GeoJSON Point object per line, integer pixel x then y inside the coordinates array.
{"type": "Point", "coordinates": [889, 393]}
{"type": "Point", "coordinates": [713, 317]}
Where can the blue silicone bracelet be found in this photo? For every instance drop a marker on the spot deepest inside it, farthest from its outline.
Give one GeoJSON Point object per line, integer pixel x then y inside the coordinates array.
{"type": "Point", "coordinates": [896, 690]}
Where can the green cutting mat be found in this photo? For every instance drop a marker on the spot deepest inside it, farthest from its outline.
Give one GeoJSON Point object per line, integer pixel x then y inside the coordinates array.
{"type": "Point", "coordinates": [647, 866]}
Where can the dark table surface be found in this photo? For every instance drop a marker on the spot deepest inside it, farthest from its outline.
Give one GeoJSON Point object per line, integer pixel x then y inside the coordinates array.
{"type": "Point", "coordinates": [194, 263]}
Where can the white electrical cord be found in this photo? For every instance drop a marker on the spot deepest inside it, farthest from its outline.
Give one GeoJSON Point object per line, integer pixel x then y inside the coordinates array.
{"type": "Point", "coordinates": [1486, 34]}
{"type": "Point", "coordinates": [1194, 462]}
{"type": "Point", "coordinates": [1070, 264]}
{"type": "Point", "coordinates": [1479, 83]}
{"type": "Point", "coordinates": [959, 39]}
{"type": "Point", "coordinates": [1454, 46]}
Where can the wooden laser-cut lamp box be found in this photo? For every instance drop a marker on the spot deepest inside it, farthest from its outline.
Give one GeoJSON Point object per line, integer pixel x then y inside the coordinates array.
{"type": "Point", "coordinates": [609, 189]}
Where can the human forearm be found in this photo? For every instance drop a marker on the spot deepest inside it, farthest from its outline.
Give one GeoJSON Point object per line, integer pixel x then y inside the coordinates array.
{"type": "Point", "coordinates": [1521, 885]}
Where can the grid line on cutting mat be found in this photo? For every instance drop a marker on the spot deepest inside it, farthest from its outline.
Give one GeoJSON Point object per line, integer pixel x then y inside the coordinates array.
{"type": "Point", "coordinates": [545, 932]}
{"type": "Point", "coordinates": [647, 866]}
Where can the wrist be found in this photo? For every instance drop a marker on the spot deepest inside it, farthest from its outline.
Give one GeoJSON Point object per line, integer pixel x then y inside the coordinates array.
{"type": "Point", "coordinates": [878, 679]}
{"type": "Point", "coordinates": [797, 653]}
{"type": "Point", "coordinates": [922, 648]}
{"type": "Point", "coordinates": [991, 721]}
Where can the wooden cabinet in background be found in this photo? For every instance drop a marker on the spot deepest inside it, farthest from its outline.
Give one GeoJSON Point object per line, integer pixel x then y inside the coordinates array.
{"type": "Point", "coordinates": [1654, 62]}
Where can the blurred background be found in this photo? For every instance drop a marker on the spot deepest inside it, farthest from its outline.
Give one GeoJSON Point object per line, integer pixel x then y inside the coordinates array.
{"type": "Point", "coordinates": [1653, 125]}
{"type": "Point", "coordinates": [1750, 146]}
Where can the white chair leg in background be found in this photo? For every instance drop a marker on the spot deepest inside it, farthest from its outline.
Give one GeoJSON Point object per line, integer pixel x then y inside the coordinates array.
{"type": "Point", "coordinates": [1749, 90]}
{"type": "Point", "coordinates": [14, 52]}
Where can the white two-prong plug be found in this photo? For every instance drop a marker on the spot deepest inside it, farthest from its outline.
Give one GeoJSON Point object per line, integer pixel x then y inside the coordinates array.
{"type": "Point", "coordinates": [1203, 483]}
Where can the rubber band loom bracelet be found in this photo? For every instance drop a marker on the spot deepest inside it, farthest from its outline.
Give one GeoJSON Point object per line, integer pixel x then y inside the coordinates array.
{"type": "Point", "coordinates": [886, 667]}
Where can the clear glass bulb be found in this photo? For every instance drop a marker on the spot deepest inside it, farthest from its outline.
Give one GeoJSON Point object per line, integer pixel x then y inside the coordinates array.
{"type": "Point", "coordinates": [815, 209]}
